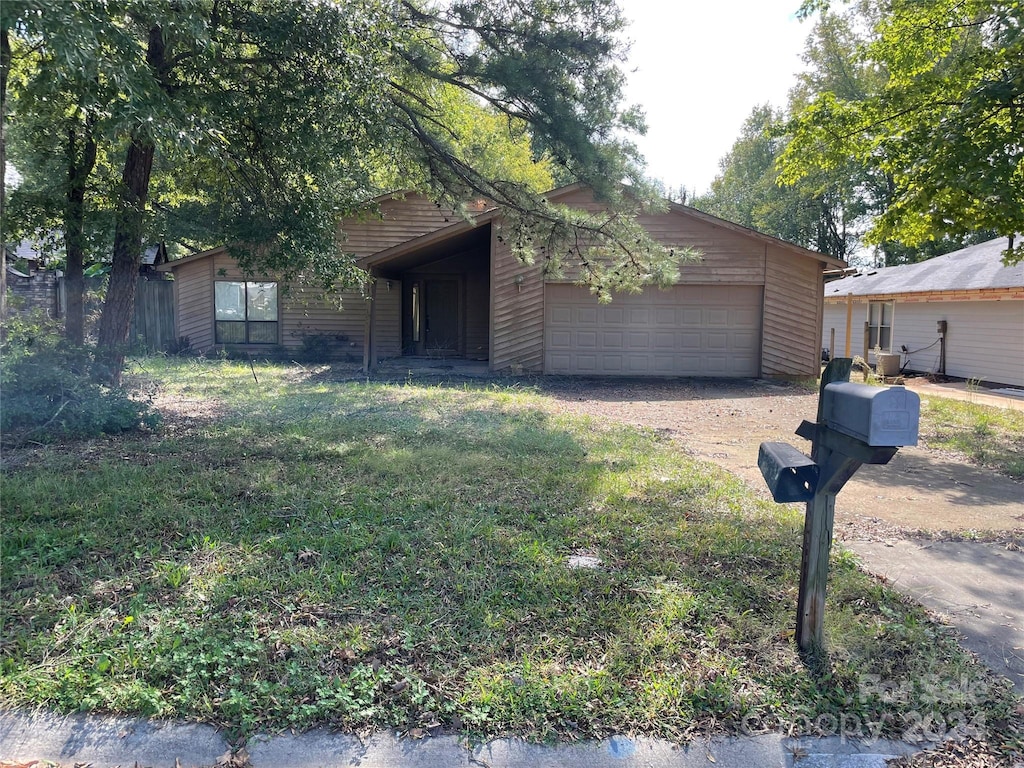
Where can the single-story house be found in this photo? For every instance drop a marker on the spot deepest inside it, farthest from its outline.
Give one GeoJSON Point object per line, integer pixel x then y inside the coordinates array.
{"type": "Point", "coordinates": [445, 286]}
{"type": "Point", "coordinates": [960, 315]}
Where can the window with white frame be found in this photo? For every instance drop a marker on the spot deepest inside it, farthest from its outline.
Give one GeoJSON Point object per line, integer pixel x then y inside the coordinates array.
{"type": "Point", "coordinates": [880, 325]}
{"type": "Point", "coordinates": [245, 312]}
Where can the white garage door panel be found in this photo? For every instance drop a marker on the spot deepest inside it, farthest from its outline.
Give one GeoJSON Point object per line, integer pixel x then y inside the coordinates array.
{"type": "Point", "coordinates": [685, 331]}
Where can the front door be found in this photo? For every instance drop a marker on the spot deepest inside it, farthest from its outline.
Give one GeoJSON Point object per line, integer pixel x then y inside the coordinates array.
{"type": "Point", "coordinates": [441, 317]}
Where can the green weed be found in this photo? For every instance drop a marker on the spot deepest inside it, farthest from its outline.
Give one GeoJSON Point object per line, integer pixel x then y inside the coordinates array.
{"type": "Point", "coordinates": [993, 437]}
{"type": "Point", "coordinates": [365, 555]}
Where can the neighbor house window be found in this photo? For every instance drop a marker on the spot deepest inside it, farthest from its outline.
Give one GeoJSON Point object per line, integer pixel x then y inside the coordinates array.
{"type": "Point", "coordinates": [246, 312]}
{"type": "Point", "coordinates": [880, 325]}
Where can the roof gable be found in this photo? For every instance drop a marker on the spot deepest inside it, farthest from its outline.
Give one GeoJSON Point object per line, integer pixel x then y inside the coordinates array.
{"type": "Point", "coordinates": [577, 193]}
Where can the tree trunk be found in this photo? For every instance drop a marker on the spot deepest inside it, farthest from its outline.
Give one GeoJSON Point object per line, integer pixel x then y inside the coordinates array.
{"type": "Point", "coordinates": [5, 67]}
{"type": "Point", "coordinates": [119, 306]}
{"type": "Point", "coordinates": [74, 228]}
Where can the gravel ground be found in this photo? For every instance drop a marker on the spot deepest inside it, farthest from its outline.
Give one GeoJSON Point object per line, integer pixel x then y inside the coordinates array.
{"type": "Point", "coordinates": [725, 420]}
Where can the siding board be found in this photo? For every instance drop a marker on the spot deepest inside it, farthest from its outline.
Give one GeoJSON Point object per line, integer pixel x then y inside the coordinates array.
{"type": "Point", "coordinates": [194, 316]}
{"type": "Point", "coordinates": [984, 338]}
{"type": "Point", "coordinates": [517, 312]}
{"type": "Point", "coordinates": [400, 220]}
{"type": "Point", "coordinates": [792, 314]}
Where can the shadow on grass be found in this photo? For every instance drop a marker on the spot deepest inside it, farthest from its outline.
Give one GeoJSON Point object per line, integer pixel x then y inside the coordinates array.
{"type": "Point", "coordinates": [366, 555]}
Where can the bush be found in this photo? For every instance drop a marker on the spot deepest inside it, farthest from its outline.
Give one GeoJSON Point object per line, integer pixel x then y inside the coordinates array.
{"type": "Point", "coordinates": [179, 347]}
{"type": "Point", "coordinates": [49, 392]}
{"type": "Point", "coordinates": [320, 348]}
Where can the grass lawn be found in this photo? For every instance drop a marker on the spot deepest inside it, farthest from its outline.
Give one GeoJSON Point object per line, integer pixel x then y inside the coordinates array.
{"type": "Point", "coordinates": [993, 437]}
{"type": "Point", "coordinates": [360, 554]}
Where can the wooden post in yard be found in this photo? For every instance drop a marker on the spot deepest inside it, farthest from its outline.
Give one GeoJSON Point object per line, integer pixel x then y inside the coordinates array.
{"type": "Point", "coordinates": [810, 615]}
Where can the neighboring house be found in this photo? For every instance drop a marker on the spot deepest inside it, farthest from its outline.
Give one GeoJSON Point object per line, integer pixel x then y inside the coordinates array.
{"type": "Point", "coordinates": [961, 315]}
{"type": "Point", "coordinates": [445, 286]}
{"type": "Point", "coordinates": [32, 286]}
{"type": "Point", "coordinates": [152, 257]}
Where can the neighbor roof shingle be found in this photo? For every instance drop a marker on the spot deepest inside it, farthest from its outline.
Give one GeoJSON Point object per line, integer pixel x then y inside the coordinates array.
{"type": "Point", "coordinates": [974, 267]}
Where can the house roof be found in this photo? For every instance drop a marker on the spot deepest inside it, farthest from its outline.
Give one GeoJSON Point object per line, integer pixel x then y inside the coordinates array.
{"type": "Point", "coordinates": [485, 216]}
{"type": "Point", "coordinates": [29, 250]}
{"type": "Point", "coordinates": [154, 255]}
{"type": "Point", "coordinates": [976, 267]}
{"type": "Point", "coordinates": [167, 266]}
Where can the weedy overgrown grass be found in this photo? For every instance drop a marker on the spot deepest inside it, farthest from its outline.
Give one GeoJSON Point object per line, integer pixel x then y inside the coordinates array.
{"type": "Point", "coordinates": [360, 554]}
{"type": "Point", "coordinates": [993, 437]}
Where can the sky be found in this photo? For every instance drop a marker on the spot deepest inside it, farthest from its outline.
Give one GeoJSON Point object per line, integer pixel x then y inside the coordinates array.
{"type": "Point", "coordinates": [698, 67]}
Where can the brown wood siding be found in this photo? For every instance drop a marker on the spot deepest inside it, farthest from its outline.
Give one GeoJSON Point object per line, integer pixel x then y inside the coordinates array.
{"type": "Point", "coordinates": [517, 312]}
{"type": "Point", "coordinates": [311, 311]}
{"type": "Point", "coordinates": [725, 256]}
{"type": "Point", "coordinates": [193, 291]}
{"type": "Point", "coordinates": [389, 319]}
{"type": "Point", "coordinates": [478, 305]}
{"type": "Point", "coordinates": [792, 315]}
{"type": "Point", "coordinates": [400, 220]}
{"type": "Point", "coordinates": [226, 268]}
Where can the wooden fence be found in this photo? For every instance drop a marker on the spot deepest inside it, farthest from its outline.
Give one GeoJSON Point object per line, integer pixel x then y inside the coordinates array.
{"type": "Point", "coordinates": [152, 326]}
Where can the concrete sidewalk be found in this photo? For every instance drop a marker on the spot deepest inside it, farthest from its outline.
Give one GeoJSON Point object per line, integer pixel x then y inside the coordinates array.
{"type": "Point", "coordinates": [120, 742]}
{"type": "Point", "coordinates": [975, 586]}
{"type": "Point", "coordinates": [961, 390]}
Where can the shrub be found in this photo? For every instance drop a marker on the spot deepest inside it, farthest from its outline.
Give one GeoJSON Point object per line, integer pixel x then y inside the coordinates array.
{"type": "Point", "coordinates": [49, 392]}
{"type": "Point", "coordinates": [320, 348]}
{"type": "Point", "coordinates": [179, 347]}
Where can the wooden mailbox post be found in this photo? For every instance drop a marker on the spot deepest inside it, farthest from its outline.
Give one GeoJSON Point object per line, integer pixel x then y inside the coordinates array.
{"type": "Point", "coordinates": [857, 424]}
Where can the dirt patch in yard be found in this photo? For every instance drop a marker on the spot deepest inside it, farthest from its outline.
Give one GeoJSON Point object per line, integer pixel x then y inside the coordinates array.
{"type": "Point", "coordinates": [724, 421]}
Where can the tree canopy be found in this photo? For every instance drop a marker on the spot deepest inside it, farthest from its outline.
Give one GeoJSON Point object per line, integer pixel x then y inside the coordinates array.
{"type": "Point", "coordinates": [820, 212]}
{"type": "Point", "coordinates": [261, 123]}
{"type": "Point", "coordinates": [943, 128]}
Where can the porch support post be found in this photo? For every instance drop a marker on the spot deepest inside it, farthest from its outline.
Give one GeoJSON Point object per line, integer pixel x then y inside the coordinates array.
{"type": "Point", "coordinates": [849, 324]}
{"type": "Point", "coordinates": [370, 340]}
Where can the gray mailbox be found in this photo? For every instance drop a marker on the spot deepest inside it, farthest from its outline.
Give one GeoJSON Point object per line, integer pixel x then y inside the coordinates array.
{"type": "Point", "coordinates": [874, 415]}
{"type": "Point", "coordinates": [857, 424]}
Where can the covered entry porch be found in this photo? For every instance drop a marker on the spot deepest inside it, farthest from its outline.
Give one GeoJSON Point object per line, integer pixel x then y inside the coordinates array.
{"type": "Point", "coordinates": [431, 298]}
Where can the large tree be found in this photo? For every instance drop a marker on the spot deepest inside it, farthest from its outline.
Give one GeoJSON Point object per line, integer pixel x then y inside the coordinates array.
{"type": "Point", "coordinates": [820, 212]}
{"type": "Point", "coordinates": [825, 208]}
{"type": "Point", "coordinates": [944, 128]}
{"type": "Point", "coordinates": [71, 70]}
{"type": "Point", "coordinates": [269, 120]}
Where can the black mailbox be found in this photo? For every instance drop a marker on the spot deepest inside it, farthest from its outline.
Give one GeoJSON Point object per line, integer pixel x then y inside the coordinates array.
{"type": "Point", "coordinates": [790, 475]}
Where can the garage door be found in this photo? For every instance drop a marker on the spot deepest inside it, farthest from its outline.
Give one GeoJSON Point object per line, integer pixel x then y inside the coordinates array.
{"type": "Point", "coordinates": [687, 330]}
